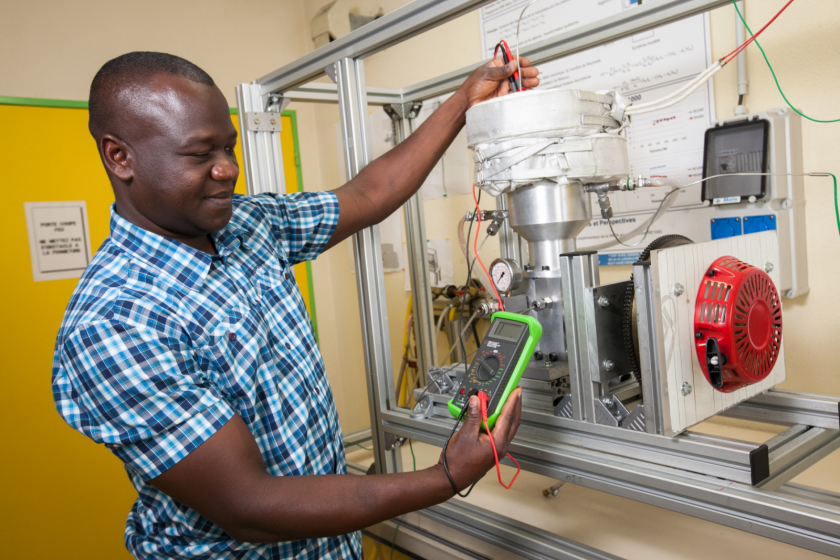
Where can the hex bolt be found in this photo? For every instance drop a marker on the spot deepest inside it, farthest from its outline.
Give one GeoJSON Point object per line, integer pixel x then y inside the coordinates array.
{"type": "Point", "coordinates": [686, 389]}
{"type": "Point", "coordinates": [768, 267]}
{"type": "Point", "coordinates": [603, 301]}
{"type": "Point", "coordinates": [714, 360]}
{"type": "Point", "coordinates": [609, 364]}
{"type": "Point", "coordinates": [679, 289]}
{"type": "Point", "coordinates": [607, 400]}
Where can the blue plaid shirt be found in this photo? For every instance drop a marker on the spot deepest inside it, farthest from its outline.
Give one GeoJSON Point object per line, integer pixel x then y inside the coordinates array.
{"type": "Point", "coordinates": [161, 344]}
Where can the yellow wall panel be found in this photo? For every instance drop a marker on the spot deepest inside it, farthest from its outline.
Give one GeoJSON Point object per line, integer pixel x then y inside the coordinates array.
{"type": "Point", "coordinates": [64, 497]}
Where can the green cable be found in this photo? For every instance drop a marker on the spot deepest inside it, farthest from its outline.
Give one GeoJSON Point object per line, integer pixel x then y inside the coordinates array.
{"type": "Point", "coordinates": [358, 445]}
{"type": "Point", "coordinates": [774, 72]}
{"type": "Point", "coordinates": [411, 447]}
{"type": "Point", "coordinates": [414, 467]}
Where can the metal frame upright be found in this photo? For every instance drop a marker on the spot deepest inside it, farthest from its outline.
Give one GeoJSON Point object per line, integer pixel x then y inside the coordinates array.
{"type": "Point", "coordinates": [639, 466]}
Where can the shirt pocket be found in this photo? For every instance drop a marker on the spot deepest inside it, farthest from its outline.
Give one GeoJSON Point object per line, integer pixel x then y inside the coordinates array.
{"type": "Point", "coordinates": [275, 283]}
{"type": "Point", "coordinates": [231, 362]}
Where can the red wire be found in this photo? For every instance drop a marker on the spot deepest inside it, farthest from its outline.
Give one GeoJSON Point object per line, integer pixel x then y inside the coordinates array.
{"type": "Point", "coordinates": [475, 250]}
{"type": "Point", "coordinates": [728, 58]}
{"type": "Point", "coordinates": [482, 397]}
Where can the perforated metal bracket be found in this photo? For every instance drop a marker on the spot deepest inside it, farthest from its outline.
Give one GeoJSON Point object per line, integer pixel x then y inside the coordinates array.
{"type": "Point", "coordinates": [407, 110]}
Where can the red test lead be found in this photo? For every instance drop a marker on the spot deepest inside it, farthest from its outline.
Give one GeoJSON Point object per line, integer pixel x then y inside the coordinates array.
{"type": "Point", "coordinates": [483, 398]}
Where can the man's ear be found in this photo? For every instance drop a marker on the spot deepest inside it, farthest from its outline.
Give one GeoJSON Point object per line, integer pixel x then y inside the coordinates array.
{"type": "Point", "coordinates": [117, 157]}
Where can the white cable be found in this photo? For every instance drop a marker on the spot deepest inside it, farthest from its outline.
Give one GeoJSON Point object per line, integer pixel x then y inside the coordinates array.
{"type": "Point", "coordinates": [660, 105]}
{"type": "Point", "coordinates": [460, 337]}
{"type": "Point", "coordinates": [518, 69]}
{"type": "Point", "coordinates": [664, 206]}
{"type": "Point", "coordinates": [443, 315]}
{"type": "Point", "coordinates": [701, 78]}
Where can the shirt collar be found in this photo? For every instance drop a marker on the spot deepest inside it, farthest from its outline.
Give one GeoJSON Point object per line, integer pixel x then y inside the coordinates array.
{"type": "Point", "coordinates": [186, 265]}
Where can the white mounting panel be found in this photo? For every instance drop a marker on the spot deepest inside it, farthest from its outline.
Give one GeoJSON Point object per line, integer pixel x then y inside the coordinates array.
{"type": "Point", "coordinates": [687, 265]}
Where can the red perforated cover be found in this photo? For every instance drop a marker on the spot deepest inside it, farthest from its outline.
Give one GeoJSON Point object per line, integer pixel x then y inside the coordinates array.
{"type": "Point", "coordinates": [737, 306]}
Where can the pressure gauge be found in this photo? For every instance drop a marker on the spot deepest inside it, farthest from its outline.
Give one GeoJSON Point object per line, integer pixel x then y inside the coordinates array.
{"type": "Point", "coordinates": [505, 275]}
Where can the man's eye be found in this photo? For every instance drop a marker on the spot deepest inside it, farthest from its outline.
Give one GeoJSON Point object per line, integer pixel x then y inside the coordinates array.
{"type": "Point", "coordinates": [201, 155]}
{"type": "Point", "coordinates": [229, 150]}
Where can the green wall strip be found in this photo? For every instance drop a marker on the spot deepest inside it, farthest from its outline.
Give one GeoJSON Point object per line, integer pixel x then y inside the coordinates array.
{"type": "Point", "coordinates": [293, 116]}
{"type": "Point", "coordinates": [57, 103]}
{"type": "Point", "coordinates": [36, 102]}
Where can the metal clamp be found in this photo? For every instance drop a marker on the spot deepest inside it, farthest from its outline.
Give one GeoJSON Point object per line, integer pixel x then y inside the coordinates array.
{"type": "Point", "coordinates": [262, 122]}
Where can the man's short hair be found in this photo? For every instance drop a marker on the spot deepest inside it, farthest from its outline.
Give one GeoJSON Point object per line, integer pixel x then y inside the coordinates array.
{"type": "Point", "coordinates": [133, 69]}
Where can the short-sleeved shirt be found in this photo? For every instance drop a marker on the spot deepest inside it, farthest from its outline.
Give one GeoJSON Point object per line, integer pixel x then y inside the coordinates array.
{"type": "Point", "coordinates": [162, 344]}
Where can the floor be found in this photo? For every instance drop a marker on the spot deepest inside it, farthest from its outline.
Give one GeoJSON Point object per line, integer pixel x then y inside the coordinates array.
{"type": "Point", "coordinates": [623, 527]}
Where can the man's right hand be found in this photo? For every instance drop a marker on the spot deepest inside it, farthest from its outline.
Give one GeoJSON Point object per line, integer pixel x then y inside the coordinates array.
{"type": "Point", "coordinates": [470, 455]}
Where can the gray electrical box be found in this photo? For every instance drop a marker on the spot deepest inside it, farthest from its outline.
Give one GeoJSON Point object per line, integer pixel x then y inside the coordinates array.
{"type": "Point", "coordinates": [767, 142]}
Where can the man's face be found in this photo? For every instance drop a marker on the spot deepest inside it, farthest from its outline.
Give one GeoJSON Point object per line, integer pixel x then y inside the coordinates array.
{"type": "Point", "coordinates": [180, 142]}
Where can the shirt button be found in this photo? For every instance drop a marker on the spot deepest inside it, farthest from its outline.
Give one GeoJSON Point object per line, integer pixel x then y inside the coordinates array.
{"type": "Point", "coordinates": [288, 346]}
{"type": "Point", "coordinates": [317, 391]}
{"type": "Point", "coordinates": [232, 337]}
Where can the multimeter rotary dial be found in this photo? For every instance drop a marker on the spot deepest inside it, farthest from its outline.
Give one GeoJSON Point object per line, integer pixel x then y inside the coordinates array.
{"type": "Point", "coordinates": [487, 368]}
{"type": "Point", "coordinates": [505, 275]}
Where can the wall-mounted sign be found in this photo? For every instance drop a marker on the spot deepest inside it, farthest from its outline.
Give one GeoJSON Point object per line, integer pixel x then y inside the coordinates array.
{"type": "Point", "coordinates": [59, 240]}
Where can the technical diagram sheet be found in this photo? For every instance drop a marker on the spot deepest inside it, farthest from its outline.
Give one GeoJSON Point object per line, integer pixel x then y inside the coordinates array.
{"type": "Point", "coordinates": [644, 67]}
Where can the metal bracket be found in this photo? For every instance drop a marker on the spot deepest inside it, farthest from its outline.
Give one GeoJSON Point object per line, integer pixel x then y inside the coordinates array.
{"type": "Point", "coordinates": [276, 103]}
{"type": "Point", "coordinates": [609, 411]}
{"type": "Point", "coordinates": [635, 420]}
{"type": "Point", "coordinates": [407, 110]}
{"type": "Point", "coordinates": [330, 71]}
{"type": "Point", "coordinates": [262, 122]}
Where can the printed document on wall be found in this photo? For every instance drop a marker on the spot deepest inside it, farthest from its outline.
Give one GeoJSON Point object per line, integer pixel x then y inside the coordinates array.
{"type": "Point", "coordinates": [644, 67]}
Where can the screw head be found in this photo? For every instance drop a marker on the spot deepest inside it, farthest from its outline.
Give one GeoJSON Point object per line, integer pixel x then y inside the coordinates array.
{"type": "Point", "coordinates": [768, 267]}
{"type": "Point", "coordinates": [714, 360]}
{"type": "Point", "coordinates": [698, 335]}
{"type": "Point", "coordinates": [607, 400]}
{"type": "Point", "coordinates": [273, 121]}
{"type": "Point", "coordinates": [679, 289]}
{"type": "Point", "coordinates": [686, 389]}
{"type": "Point", "coordinates": [711, 272]}
{"type": "Point", "coordinates": [609, 364]}
{"type": "Point", "coordinates": [256, 121]}
{"type": "Point", "coordinates": [603, 301]}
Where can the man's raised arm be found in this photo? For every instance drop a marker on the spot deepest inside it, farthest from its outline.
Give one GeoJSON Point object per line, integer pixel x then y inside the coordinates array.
{"type": "Point", "coordinates": [387, 182]}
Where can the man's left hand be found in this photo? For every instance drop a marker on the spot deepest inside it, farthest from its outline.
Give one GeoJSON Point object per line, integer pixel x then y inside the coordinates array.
{"type": "Point", "coordinates": [491, 80]}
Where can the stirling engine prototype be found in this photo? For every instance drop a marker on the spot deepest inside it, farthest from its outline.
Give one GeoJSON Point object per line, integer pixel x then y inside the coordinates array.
{"type": "Point", "coordinates": [656, 353]}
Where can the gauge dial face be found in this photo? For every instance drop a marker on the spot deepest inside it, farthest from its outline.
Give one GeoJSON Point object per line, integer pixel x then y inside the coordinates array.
{"type": "Point", "coordinates": [502, 275]}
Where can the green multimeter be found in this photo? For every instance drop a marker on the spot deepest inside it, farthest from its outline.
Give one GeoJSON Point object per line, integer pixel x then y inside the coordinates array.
{"type": "Point", "coordinates": [499, 362]}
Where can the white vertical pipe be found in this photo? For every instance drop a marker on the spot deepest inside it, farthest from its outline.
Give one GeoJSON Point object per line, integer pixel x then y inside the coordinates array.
{"type": "Point", "coordinates": [741, 59]}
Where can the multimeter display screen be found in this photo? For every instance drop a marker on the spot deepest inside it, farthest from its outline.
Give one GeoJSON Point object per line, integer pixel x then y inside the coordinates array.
{"type": "Point", "coordinates": [508, 330]}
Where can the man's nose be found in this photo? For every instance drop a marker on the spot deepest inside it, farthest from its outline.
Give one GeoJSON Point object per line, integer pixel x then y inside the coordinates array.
{"type": "Point", "coordinates": [225, 171]}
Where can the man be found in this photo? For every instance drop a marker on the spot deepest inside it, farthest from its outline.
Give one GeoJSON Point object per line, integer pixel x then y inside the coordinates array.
{"type": "Point", "coordinates": [186, 348]}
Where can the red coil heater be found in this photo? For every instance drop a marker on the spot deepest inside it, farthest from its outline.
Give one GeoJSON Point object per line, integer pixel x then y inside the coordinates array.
{"type": "Point", "coordinates": [737, 324]}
